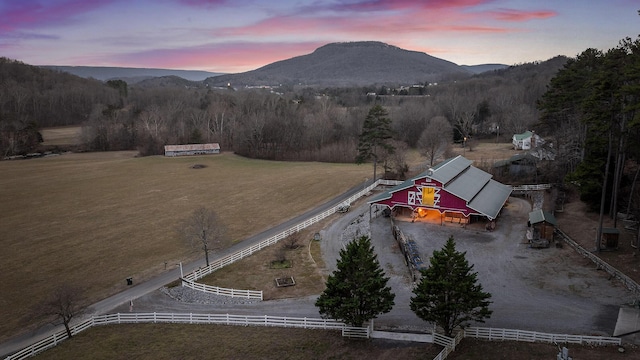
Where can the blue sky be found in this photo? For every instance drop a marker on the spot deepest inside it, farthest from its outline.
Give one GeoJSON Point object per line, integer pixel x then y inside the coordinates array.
{"type": "Point", "coordinates": [240, 35]}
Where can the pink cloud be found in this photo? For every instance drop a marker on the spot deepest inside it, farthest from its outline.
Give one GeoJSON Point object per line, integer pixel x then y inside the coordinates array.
{"type": "Point", "coordinates": [378, 26]}
{"type": "Point", "coordinates": [205, 3]}
{"type": "Point", "coordinates": [278, 25]}
{"type": "Point", "coordinates": [385, 5]}
{"type": "Point", "coordinates": [27, 14]}
{"type": "Point", "coordinates": [381, 19]}
{"type": "Point", "coordinates": [519, 15]}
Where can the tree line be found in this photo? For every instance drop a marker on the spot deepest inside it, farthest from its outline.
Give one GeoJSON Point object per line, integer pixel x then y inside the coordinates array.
{"type": "Point", "coordinates": [591, 110]}
{"type": "Point", "coordinates": [307, 124]}
{"type": "Point", "coordinates": [584, 106]}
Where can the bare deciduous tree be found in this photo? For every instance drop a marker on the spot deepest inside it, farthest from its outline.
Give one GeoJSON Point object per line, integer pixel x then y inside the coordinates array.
{"type": "Point", "coordinates": [291, 242]}
{"type": "Point", "coordinates": [203, 229]}
{"type": "Point", "coordinates": [464, 123]}
{"type": "Point", "coordinates": [396, 166]}
{"type": "Point", "coordinates": [434, 138]}
{"type": "Point", "coordinates": [62, 305]}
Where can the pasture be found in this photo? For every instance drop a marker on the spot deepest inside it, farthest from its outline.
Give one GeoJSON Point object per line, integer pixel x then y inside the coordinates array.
{"type": "Point", "coordinates": [94, 219]}
{"type": "Point", "coordinates": [61, 135]}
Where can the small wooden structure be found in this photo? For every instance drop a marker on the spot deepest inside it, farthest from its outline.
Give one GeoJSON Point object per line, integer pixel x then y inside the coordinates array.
{"type": "Point", "coordinates": [609, 239]}
{"type": "Point", "coordinates": [542, 225]}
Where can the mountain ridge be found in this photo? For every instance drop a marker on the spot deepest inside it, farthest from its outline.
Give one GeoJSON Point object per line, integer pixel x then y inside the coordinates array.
{"type": "Point", "coordinates": [134, 75]}
{"type": "Point", "coordinates": [349, 63]}
{"type": "Point", "coordinates": [359, 63]}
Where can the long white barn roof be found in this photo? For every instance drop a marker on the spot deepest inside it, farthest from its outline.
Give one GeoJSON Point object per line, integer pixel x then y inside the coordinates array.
{"type": "Point", "coordinates": [192, 147]}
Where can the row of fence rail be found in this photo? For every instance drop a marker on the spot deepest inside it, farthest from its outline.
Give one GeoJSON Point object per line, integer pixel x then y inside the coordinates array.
{"type": "Point", "coordinates": [188, 318]}
{"type": "Point", "coordinates": [448, 344]}
{"type": "Point", "coordinates": [190, 279]}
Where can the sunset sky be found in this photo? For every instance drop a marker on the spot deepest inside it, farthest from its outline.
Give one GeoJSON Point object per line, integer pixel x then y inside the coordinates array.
{"type": "Point", "coordinates": [240, 35]}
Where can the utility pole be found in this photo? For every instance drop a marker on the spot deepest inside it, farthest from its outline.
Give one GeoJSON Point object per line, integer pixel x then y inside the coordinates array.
{"type": "Point", "coordinates": [464, 146]}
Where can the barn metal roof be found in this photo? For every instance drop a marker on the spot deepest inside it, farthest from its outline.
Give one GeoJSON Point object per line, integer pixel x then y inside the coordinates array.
{"type": "Point", "coordinates": [538, 216]}
{"type": "Point", "coordinates": [449, 169]}
{"type": "Point", "coordinates": [490, 199]}
{"type": "Point", "coordinates": [525, 135]}
{"type": "Point", "coordinates": [460, 178]}
{"type": "Point", "coordinates": [192, 147]}
{"type": "Point", "coordinates": [388, 194]}
{"type": "Point", "coordinates": [468, 183]}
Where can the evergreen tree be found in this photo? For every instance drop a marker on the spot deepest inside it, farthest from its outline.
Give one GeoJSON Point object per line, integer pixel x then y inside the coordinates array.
{"type": "Point", "coordinates": [448, 293]}
{"type": "Point", "coordinates": [598, 93]}
{"type": "Point", "coordinates": [375, 136]}
{"type": "Point", "coordinates": [356, 292]}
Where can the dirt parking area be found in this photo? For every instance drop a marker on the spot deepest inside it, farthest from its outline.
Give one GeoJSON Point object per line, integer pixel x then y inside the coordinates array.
{"type": "Point", "coordinates": [551, 290]}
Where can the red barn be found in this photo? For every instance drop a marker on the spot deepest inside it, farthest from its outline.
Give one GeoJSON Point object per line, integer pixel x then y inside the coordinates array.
{"type": "Point", "coordinates": [453, 190]}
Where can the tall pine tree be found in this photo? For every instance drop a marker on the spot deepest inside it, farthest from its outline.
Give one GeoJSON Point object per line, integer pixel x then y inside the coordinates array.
{"type": "Point", "coordinates": [375, 136]}
{"type": "Point", "coordinates": [448, 293]}
{"type": "Point", "coordinates": [357, 291]}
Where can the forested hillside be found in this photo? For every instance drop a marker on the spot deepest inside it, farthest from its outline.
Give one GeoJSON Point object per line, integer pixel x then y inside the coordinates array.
{"type": "Point", "coordinates": [586, 108]}
{"type": "Point", "coordinates": [350, 64]}
{"type": "Point", "coordinates": [32, 97]}
{"type": "Point", "coordinates": [285, 123]}
{"type": "Point", "coordinates": [592, 110]}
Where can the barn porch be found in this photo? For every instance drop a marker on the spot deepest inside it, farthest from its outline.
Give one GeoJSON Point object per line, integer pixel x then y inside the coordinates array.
{"type": "Point", "coordinates": [433, 216]}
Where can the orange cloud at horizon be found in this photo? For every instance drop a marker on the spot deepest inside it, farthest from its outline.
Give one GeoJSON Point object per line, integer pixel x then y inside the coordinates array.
{"type": "Point", "coordinates": [227, 58]}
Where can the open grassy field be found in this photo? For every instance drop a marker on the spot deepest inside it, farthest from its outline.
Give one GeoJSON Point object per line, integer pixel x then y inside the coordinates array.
{"type": "Point", "coordinates": [62, 135]}
{"type": "Point", "coordinates": [94, 219]}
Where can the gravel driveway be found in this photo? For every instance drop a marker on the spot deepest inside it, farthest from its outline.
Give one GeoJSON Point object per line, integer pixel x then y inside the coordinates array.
{"type": "Point", "coordinates": [548, 290]}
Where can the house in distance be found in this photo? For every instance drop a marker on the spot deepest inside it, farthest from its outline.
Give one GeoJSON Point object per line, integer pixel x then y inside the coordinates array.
{"type": "Point", "coordinates": [191, 149]}
{"type": "Point", "coordinates": [526, 141]}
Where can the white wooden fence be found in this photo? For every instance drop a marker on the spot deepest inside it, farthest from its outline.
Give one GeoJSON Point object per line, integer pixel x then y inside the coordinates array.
{"type": "Point", "coordinates": [448, 344]}
{"type": "Point", "coordinates": [627, 281]}
{"type": "Point", "coordinates": [535, 187]}
{"type": "Point", "coordinates": [189, 318]}
{"type": "Point", "coordinates": [491, 334]}
{"type": "Point", "coordinates": [248, 294]}
{"type": "Point", "coordinates": [189, 280]}
{"type": "Point", "coordinates": [534, 336]}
